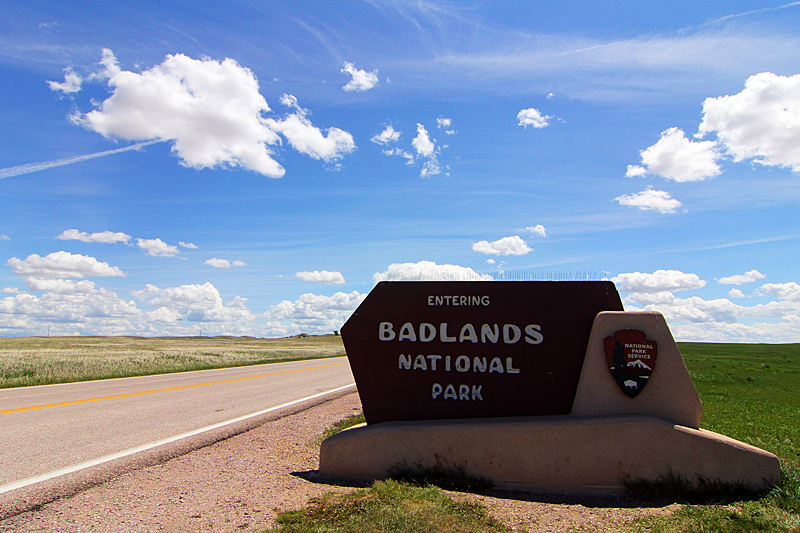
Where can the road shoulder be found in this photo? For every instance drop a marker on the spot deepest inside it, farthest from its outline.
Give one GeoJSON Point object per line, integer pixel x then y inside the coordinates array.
{"type": "Point", "coordinates": [241, 483]}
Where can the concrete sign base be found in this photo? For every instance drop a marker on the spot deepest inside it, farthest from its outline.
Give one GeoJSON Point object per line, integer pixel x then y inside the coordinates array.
{"type": "Point", "coordinates": [635, 416]}
{"type": "Point", "coordinates": [589, 454]}
{"type": "Point", "coordinates": [670, 395]}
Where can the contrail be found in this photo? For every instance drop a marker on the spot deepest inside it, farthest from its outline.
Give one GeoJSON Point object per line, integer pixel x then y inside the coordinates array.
{"type": "Point", "coordinates": [753, 12]}
{"type": "Point", "coordinates": [35, 167]}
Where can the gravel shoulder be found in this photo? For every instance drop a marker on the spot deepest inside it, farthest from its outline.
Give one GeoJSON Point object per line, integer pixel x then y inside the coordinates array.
{"type": "Point", "coordinates": [241, 483]}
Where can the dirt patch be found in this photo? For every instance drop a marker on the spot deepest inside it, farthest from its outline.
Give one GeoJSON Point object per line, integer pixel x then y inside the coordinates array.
{"type": "Point", "coordinates": [243, 482]}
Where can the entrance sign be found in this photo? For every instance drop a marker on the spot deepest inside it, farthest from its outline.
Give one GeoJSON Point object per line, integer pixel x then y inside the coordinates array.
{"type": "Point", "coordinates": [441, 350]}
{"type": "Point", "coordinates": [495, 356]}
{"type": "Point", "coordinates": [631, 359]}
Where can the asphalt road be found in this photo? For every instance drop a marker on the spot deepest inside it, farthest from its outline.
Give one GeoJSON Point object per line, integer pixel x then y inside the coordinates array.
{"type": "Point", "coordinates": [47, 429]}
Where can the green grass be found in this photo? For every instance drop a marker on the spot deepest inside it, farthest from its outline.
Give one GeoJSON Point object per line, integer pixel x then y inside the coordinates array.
{"type": "Point", "coordinates": [750, 392]}
{"type": "Point", "coordinates": [389, 506]}
{"type": "Point", "coordinates": [341, 425]}
{"type": "Point", "coordinates": [26, 361]}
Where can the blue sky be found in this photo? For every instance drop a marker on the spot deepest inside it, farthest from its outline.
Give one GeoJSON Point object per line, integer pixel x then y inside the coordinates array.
{"type": "Point", "coordinates": [168, 168]}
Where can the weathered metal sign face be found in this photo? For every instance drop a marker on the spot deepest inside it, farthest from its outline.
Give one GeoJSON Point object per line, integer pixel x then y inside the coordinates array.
{"type": "Point", "coordinates": [631, 359]}
{"type": "Point", "coordinates": [437, 350]}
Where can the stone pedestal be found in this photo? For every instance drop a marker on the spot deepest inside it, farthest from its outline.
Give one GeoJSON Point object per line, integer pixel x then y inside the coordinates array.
{"type": "Point", "coordinates": [590, 453]}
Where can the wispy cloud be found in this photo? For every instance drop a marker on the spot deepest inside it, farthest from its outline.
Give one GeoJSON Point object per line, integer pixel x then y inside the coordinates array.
{"type": "Point", "coordinates": [35, 167]}
{"type": "Point", "coordinates": [636, 68]}
{"type": "Point", "coordinates": [751, 12]}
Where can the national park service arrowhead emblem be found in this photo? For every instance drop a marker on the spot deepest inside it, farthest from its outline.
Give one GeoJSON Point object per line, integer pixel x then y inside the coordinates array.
{"type": "Point", "coordinates": [631, 359]}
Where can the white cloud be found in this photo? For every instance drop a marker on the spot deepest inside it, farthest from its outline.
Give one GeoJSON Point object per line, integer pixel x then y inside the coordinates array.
{"type": "Point", "coordinates": [4, 237]}
{"type": "Point", "coordinates": [313, 313]}
{"type": "Point", "coordinates": [428, 271]}
{"type": "Point", "coordinates": [694, 309]}
{"type": "Point", "coordinates": [388, 135]}
{"type": "Point", "coordinates": [11, 290]}
{"type": "Point", "coordinates": [650, 200]}
{"type": "Point", "coordinates": [108, 237]}
{"type": "Point", "coordinates": [398, 151]}
{"type": "Point", "coordinates": [426, 148]}
{"type": "Point", "coordinates": [210, 110]}
{"type": "Point", "coordinates": [783, 291]}
{"type": "Point", "coordinates": [78, 307]}
{"type": "Point", "coordinates": [747, 277]}
{"type": "Point", "coordinates": [71, 311]}
{"type": "Point", "coordinates": [323, 276]}
{"type": "Point", "coordinates": [157, 247]}
{"type": "Point", "coordinates": [635, 171]}
{"type": "Point", "coordinates": [765, 332]}
{"type": "Point", "coordinates": [677, 158]}
{"type": "Point", "coordinates": [60, 286]}
{"type": "Point", "coordinates": [431, 167]}
{"type": "Point", "coordinates": [506, 246]}
{"type": "Point", "coordinates": [658, 281]}
{"type": "Point", "coordinates": [218, 263]}
{"type": "Point", "coordinates": [532, 117]}
{"type": "Point", "coordinates": [716, 320]}
{"type": "Point", "coordinates": [187, 245]}
{"type": "Point", "coordinates": [224, 263]}
{"type": "Point", "coordinates": [538, 230]}
{"type": "Point", "coordinates": [307, 138]}
{"type": "Point", "coordinates": [71, 84]}
{"type": "Point", "coordinates": [761, 123]}
{"type": "Point", "coordinates": [362, 80]}
{"type": "Point", "coordinates": [445, 124]}
{"type": "Point", "coordinates": [422, 142]}
{"type": "Point", "coordinates": [196, 303]}
{"type": "Point", "coordinates": [62, 265]}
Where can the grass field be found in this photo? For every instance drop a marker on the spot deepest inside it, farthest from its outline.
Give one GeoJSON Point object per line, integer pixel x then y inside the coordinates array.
{"type": "Point", "coordinates": [28, 361]}
{"type": "Point", "coordinates": [750, 392]}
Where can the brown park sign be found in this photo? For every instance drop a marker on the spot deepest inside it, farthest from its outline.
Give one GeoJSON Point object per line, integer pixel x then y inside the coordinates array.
{"type": "Point", "coordinates": [427, 350]}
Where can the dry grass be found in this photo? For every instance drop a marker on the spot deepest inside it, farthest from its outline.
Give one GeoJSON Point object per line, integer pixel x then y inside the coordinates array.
{"type": "Point", "coordinates": [28, 361]}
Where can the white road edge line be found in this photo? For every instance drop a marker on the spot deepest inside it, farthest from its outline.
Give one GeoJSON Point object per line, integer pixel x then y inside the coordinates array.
{"type": "Point", "coordinates": [100, 460]}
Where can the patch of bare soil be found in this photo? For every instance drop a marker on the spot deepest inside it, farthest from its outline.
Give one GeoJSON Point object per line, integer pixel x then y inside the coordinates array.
{"type": "Point", "coordinates": [243, 482]}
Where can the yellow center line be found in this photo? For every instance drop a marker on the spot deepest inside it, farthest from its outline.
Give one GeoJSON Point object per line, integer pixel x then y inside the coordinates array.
{"type": "Point", "coordinates": [154, 391]}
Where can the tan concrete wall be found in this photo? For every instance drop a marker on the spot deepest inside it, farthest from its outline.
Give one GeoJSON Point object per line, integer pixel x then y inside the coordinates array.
{"type": "Point", "coordinates": [669, 394]}
{"type": "Point", "coordinates": [564, 453]}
